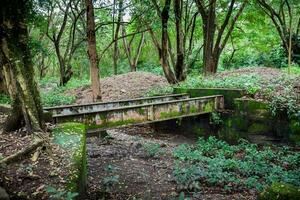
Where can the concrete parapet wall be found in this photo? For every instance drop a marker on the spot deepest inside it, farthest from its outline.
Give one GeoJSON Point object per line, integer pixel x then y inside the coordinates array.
{"type": "Point", "coordinates": [229, 94]}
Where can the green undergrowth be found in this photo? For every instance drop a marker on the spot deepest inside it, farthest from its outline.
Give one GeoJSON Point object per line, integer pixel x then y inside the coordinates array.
{"type": "Point", "coordinates": [234, 167]}
{"type": "Point", "coordinates": [250, 82]}
{"type": "Point", "coordinates": [52, 95]}
{"type": "Point", "coordinates": [153, 149]}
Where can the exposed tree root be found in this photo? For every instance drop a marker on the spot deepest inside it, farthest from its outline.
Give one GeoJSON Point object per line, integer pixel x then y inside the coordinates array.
{"type": "Point", "coordinates": [22, 153]}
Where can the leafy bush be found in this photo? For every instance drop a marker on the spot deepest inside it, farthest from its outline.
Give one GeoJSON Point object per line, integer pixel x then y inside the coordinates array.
{"type": "Point", "coordinates": [275, 58]}
{"type": "Point", "coordinates": [60, 194]}
{"type": "Point", "coordinates": [234, 167]}
{"type": "Point", "coordinates": [153, 149]}
{"type": "Point", "coordinates": [56, 98]}
{"type": "Point", "coordinates": [215, 118]}
{"type": "Point", "coordinates": [187, 175]}
{"type": "Point", "coordinates": [111, 180]}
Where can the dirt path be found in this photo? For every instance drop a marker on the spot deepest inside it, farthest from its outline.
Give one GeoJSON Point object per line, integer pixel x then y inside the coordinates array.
{"type": "Point", "coordinates": [140, 176]}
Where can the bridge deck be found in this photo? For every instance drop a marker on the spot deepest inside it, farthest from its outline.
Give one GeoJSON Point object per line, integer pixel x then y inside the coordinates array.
{"type": "Point", "coordinates": [142, 113]}
{"type": "Point", "coordinates": [99, 106]}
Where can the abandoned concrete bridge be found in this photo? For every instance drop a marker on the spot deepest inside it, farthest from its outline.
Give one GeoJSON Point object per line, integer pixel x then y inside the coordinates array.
{"type": "Point", "coordinates": [105, 115]}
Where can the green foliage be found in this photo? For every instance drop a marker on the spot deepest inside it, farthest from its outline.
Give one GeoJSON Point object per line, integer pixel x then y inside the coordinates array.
{"type": "Point", "coordinates": [109, 181]}
{"type": "Point", "coordinates": [215, 118]}
{"type": "Point", "coordinates": [54, 95]}
{"type": "Point", "coordinates": [153, 149]}
{"type": "Point", "coordinates": [160, 90]}
{"type": "Point", "coordinates": [294, 70]}
{"type": "Point", "coordinates": [250, 82]}
{"type": "Point", "coordinates": [4, 99]}
{"type": "Point", "coordinates": [285, 102]}
{"type": "Point", "coordinates": [60, 194]}
{"type": "Point", "coordinates": [187, 175]}
{"type": "Point", "coordinates": [275, 58]}
{"type": "Point", "coordinates": [56, 98]}
{"type": "Point", "coordinates": [245, 165]}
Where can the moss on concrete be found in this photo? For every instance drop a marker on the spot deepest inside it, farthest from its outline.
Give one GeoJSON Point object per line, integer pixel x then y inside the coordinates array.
{"type": "Point", "coordinates": [112, 124]}
{"type": "Point", "coordinates": [72, 136]}
{"type": "Point", "coordinates": [294, 126]}
{"type": "Point", "coordinates": [250, 104]}
{"type": "Point", "coordinates": [193, 109]}
{"type": "Point", "coordinates": [209, 107]}
{"type": "Point", "coordinates": [280, 191]}
{"type": "Point", "coordinates": [258, 128]}
{"type": "Point", "coordinates": [229, 94]}
{"type": "Point", "coordinates": [166, 115]}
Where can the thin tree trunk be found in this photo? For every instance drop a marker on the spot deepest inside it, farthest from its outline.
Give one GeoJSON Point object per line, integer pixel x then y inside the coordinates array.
{"type": "Point", "coordinates": [180, 66]}
{"type": "Point", "coordinates": [92, 51]}
{"type": "Point", "coordinates": [164, 41]}
{"type": "Point", "coordinates": [116, 35]}
{"type": "Point", "coordinates": [138, 52]}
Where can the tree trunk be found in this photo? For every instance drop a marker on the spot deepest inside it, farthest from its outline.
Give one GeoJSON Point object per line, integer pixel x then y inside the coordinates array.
{"type": "Point", "coordinates": [92, 51]}
{"type": "Point", "coordinates": [213, 49]}
{"type": "Point", "coordinates": [180, 70]}
{"type": "Point", "coordinates": [116, 49]}
{"type": "Point", "coordinates": [17, 64]}
{"type": "Point", "coordinates": [138, 52]}
{"type": "Point", "coordinates": [164, 40]}
{"type": "Point", "coordinates": [209, 27]}
{"type": "Point", "coordinates": [3, 88]}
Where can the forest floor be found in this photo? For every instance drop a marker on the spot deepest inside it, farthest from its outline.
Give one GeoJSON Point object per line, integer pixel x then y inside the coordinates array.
{"type": "Point", "coordinates": [29, 177]}
{"type": "Point", "coordinates": [119, 166]}
{"type": "Point", "coordinates": [123, 167]}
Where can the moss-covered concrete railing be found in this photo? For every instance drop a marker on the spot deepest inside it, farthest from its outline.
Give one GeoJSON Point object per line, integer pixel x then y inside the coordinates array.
{"type": "Point", "coordinates": [229, 94]}
{"type": "Point", "coordinates": [145, 113]}
{"type": "Point", "coordinates": [72, 137]}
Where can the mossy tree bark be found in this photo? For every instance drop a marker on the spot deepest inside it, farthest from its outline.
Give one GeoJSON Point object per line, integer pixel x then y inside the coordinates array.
{"type": "Point", "coordinates": [17, 67]}
{"type": "Point", "coordinates": [2, 83]}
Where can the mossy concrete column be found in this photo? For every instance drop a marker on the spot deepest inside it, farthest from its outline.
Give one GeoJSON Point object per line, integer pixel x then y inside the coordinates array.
{"type": "Point", "coordinates": [72, 137]}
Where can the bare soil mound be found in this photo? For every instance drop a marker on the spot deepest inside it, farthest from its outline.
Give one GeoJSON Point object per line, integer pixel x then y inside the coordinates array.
{"type": "Point", "coordinates": [124, 86]}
